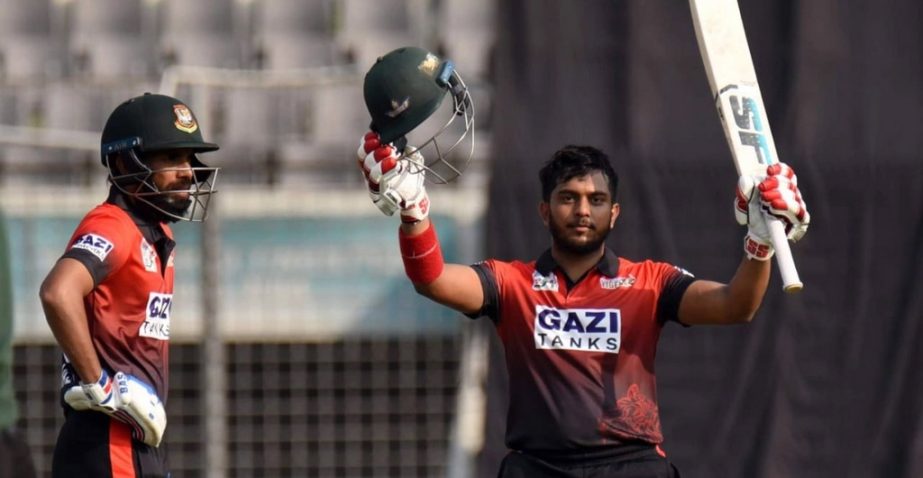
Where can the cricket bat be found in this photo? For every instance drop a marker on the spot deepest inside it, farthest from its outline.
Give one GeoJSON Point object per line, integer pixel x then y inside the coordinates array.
{"type": "Point", "coordinates": [719, 30]}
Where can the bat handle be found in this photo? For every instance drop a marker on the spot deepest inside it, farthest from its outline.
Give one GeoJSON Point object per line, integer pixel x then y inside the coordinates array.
{"type": "Point", "coordinates": [790, 281]}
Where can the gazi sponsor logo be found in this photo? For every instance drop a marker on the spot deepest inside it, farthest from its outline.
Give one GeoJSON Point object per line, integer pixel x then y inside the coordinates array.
{"type": "Point", "coordinates": [591, 330]}
{"type": "Point", "coordinates": [97, 245]}
{"type": "Point", "coordinates": [157, 323]}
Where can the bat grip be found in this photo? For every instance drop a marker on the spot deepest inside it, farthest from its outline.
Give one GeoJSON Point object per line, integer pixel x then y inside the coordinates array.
{"type": "Point", "coordinates": [791, 283]}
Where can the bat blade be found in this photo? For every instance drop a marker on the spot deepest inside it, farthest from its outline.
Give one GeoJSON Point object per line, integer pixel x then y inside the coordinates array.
{"type": "Point", "coordinates": [722, 41]}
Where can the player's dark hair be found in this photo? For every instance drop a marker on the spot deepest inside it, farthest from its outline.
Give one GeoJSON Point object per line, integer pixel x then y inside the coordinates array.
{"type": "Point", "coordinates": [575, 161]}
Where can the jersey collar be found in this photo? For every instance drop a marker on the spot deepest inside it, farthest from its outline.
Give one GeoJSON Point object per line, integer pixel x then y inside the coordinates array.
{"type": "Point", "coordinates": [608, 265]}
{"type": "Point", "coordinates": [139, 218]}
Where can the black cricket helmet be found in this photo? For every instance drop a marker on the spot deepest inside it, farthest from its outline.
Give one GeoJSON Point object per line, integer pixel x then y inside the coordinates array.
{"type": "Point", "coordinates": [404, 89]}
{"type": "Point", "coordinates": [153, 123]}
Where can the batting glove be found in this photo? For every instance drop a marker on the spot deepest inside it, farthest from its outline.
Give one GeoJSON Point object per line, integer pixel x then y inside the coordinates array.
{"type": "Point", "coordinates": [395, 179]}
{"type": "Point", "coordinates": [99, 395]}
{"type": "Point", "coordinates": [773, 196]}
{"type": "Point", "coordinates": [780, 196]}
{"type": "Point", "coordinates": [127, 399]}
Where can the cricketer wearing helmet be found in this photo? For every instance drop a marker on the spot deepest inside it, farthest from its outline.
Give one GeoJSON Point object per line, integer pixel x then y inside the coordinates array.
{"type": "Point", "coordinates": [580, 324]}
{"type": "Point", "coordinates": [108, 299]}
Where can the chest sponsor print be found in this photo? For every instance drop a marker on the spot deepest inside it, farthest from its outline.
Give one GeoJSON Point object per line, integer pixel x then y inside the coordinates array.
{"type": "Point", "coordinates": [590, 330]}
{"type": "Point", "coordinates": [156, 325]}
{"type": "Point", "coordinates": [98, 245]}
{"type": "Point", "coordinates": [617, 282]}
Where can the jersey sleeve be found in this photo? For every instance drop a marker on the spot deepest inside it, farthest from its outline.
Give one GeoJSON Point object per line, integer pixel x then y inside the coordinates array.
{"type": "Point", "coordinates": [491, 307]}
{"type": "Point", "coordinates": [101, 245]}
{"type": "Point", "coordinates": [674, 282]}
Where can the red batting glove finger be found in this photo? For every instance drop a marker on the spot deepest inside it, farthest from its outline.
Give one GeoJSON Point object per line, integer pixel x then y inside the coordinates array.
{"type": "Point", "coordinates": [385, 160]}
{"type": "Point", "coordinates": [388, 164]}
{"type": "Point", "coordinates": [383, 152]}
{"type": "Point", "coordinates": [769, 184]}
{"type": "Point", "coordinates": [773, 169]}
{"type": "Point", "coordinates": [367, 144]}
{"type": "Point", "coordinates": [371, 144]}
{"type": "Point", "coordinates": [376, 157]}
{"type": "Point", "coordinates": [770, 195]}
{"type": "Point", "coordinates": [778, 204]}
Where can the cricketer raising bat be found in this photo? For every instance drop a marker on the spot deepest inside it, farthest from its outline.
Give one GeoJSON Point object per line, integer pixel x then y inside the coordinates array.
{"type": "Point", "coordinates": [719, 30]}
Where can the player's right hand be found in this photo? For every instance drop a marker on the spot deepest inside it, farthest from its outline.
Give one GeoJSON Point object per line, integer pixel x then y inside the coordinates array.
{"type": "Point", "coordinates": [99, 395]}
{"type": "Point", "coordinates": [395, 179]}
{"type": "Point", "coordinates": [127, 399]}
{"type": "Point", "coordinates": [761, 199]}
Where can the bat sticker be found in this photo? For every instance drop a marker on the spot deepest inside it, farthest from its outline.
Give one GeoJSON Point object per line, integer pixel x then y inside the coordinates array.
{"type": "Point", "coordinates": [748, 116]}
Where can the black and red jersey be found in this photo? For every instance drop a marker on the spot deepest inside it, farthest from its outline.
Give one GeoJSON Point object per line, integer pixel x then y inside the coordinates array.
{"type": "Point", "coordinates": [131, 261]}
{"type": "Point", "coordinates": [580, 356]}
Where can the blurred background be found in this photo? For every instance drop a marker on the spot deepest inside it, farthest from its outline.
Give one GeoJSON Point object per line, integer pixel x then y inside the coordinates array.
{"type": "Point", "coordinates": [299, 349]}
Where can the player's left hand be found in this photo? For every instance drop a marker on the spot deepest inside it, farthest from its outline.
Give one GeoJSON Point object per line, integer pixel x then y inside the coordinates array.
{"type": "Point", "coordinates": [127, 398]}
{"type": "Point", "coordinates": [395, 178]}
{"type": "Point", "coordinates": [774, 196]}
{"type": "Point", "coordinates": [780, 197]}
{"type": "Point", "coordinates": [140, 407]}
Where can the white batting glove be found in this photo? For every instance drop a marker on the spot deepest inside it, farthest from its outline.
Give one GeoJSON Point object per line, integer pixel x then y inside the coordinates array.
{"type": "Point", "coordinates": [127, 399]}
{"type": "Point", "coordinates": [780, 196]}
{"type": "Point", "coordinates": [367, 145]}
{"type": "Point", "coordinates": [747, 210]}
{"type": "Point", "coordinates": [99, 395]}
{"type": "Point", "coordinates": [140, 407]}
{"type": "Point", "coordinates": [773, 196]}
{"type": "Point", "coordinates": [395, 179]}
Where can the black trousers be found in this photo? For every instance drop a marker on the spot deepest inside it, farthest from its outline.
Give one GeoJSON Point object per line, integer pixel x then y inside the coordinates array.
{"type": "Point", "coordinates": [15, 457]}
{"type": "Point", "coordinates": [93, 445]}
{"type": "Point", "coordinates": [644, 463]}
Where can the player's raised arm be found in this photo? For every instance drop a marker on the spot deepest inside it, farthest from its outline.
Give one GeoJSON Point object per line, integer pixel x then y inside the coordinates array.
{"type": "Point", "coordinates": [775, 195]}
{"type": "Point", "coordinates": [396, 184]}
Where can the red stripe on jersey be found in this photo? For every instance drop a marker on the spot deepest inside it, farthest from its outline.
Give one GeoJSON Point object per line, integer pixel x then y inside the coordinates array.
{"type": "Point", "coordinates": [120, 452]}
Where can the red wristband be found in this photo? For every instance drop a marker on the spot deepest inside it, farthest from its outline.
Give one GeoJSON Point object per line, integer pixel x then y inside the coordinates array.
{"type": "Point", "coordinates": [422, 255]}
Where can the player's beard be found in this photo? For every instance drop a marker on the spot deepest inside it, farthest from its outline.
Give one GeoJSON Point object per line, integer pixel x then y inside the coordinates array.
{"type": "Point", "coordinates": [565, 242]}
{"type": "Point", "coordinates": [172, 203]}
{"type": "Point", "coordinates": [160, 206]}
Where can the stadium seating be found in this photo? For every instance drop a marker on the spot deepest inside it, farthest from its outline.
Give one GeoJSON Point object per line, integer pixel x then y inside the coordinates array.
{"type": "Point", "coordinates": [368, 32]}
{"type": "Point", "coordinates": [66, 64]}
{"type": "Point", "coordinates": [28, 50]}
{"type": "Point", "coordinates": [107, 39]}
{"type": "Point", "coordinates": [201, 33]}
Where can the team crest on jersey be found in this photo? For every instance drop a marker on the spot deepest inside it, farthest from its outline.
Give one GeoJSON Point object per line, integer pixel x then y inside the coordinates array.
{"type": "Point", "coordinates": [548, 282]}
{"type": "Point", "coordinates": [616, 282]}
{"type": "Point", "coordinates": [98, 245]}
{"type": "Point", "coordinates": [157, 321]}
{"type": "Point", "coordinates": [148, 256]}
{"type": "Point", "coordinates": [589, 330]}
